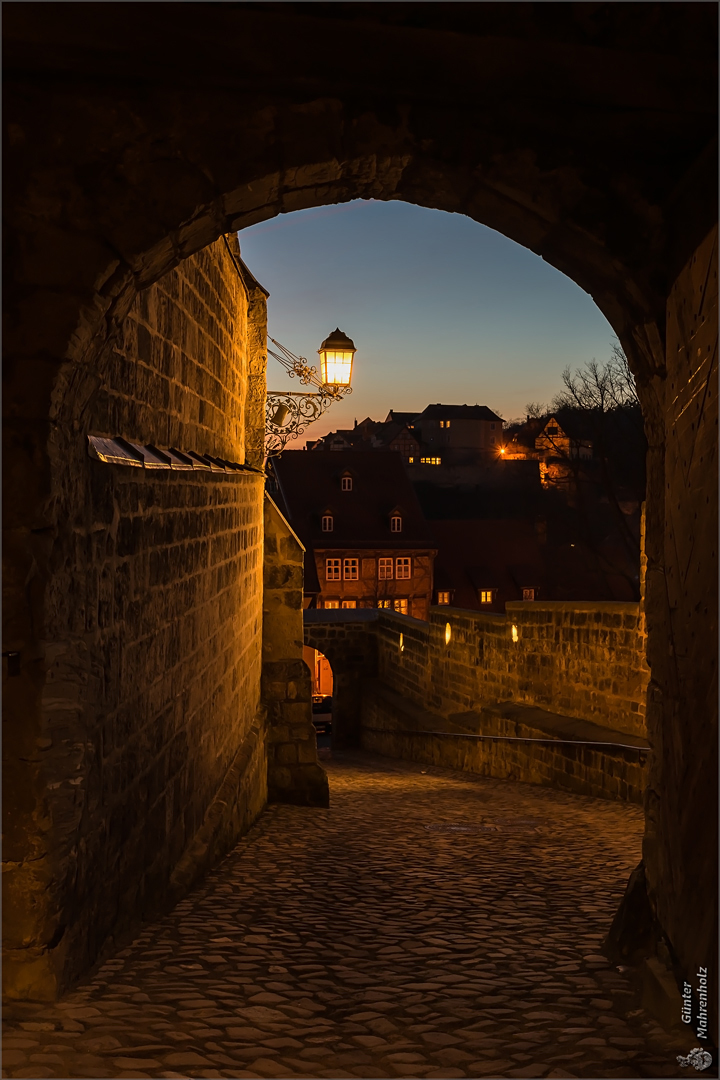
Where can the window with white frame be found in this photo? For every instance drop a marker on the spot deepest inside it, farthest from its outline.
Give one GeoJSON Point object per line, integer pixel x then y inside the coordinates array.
{"type": "Point", "coordinates": [349, 603]}
{"type": "Point", "coordinates": [443, 598]}
{"type": "Point", "coordinates": [385, 569]}
{"type": "Point", "coordinates": [327, 523]}
{"type": "Point", "coordinates": [528, 594]}
{"type": "Point", "coordinates": [486, 596]}
{"type": "Point", "coordinates": [346, 483]}
{"type": "Point", "coordinates": [350, 569]}
{"type": "Point", "coordinates": [396, 523]}
{"type": "Point", "coordinates": [332, 570]}
{"type": "Point", "coordinates": [401, 606]}
{"type": "Point", "coordinates": [403, 569]}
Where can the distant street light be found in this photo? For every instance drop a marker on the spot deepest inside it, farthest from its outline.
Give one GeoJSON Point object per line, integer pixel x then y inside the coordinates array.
{"type": "Point", "coordinates": [289, 412]}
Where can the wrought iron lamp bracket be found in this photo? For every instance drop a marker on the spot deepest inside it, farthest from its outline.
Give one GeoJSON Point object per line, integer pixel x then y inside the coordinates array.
{"type": "Point", "coordinates": [288, 413]}
{"type": "Point", "coordinates": [297, 411]}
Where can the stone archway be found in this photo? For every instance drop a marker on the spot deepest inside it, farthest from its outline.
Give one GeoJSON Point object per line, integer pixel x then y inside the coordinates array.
{"type": "Point", "coordinates": [584, 132]}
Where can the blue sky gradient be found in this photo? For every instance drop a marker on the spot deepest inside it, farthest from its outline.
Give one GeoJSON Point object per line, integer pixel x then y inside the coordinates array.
{"type": "Point", "coordinates": [441, 308]}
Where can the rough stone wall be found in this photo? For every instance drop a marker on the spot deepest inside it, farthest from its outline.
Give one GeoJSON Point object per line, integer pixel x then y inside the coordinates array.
{"type": "Point", "coordinates": [680, 846]}
{"type": "Point", "coordinates": [393, 726]}
{"type": "Point", "coordinates": [294, 775]}
{"type": "Point", "coordinates": [576, 659]}
{"type": "Point", "coordinates": [137, 749]}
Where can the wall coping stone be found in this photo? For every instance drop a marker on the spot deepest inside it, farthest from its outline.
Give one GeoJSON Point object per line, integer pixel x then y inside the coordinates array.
{"type": "Point", "coordinates": [343, 615]}
{"type": "Point", "coordinates": [611, 606]}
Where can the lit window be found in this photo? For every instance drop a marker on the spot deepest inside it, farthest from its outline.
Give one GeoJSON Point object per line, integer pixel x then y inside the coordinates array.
{"type": "Point", "coordinates": [384, 603]}
{"type": "Point", "coordinates": [346, 483]}
{"type": "Point", "coordinates": [486, 596]}
{"type": "Point", "coordinates": [385, 569]}
{"type": "Point", "coordinates": [444, 423]}
{"type": "Point", "coordinates": [349, 603]}
{"type": "Point", "coordinates": [350, 569]}
{"type": "Point", "coordinates": [332, 569]}
{"type": "Point", "coordinates": [396, 523]}
{"type": "Point", "coordinates": [403, 569]}
{"type": "Point", "coordinates": [411, 461]}
{"type": "Point", "coordinates": [430, 461]}
{"type": "Point", "coordinates": [528, 594]}
{"type": "Point", "coordinates": [443, 598]}
{"type": "Point", "coordinates": [327, 523]}
{"type": "Point", "coordinates": [331, 604]}
{"type": "Point", "coordinates": [401, 606]}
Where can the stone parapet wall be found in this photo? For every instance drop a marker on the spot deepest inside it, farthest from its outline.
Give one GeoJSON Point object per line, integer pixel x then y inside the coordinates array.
{"type": "Point", "coordinates": [518, 743]}
{"type": "Point", "coordinates": [577, 659]}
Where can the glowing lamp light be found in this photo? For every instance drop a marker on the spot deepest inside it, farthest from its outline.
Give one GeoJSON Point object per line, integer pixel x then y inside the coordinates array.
{"type": "Point", "coordinates": [514, 632]}
{"type": "Point", "coordinates": [336, 359]}
{"type": "Point", "coordinates": [448, 633]}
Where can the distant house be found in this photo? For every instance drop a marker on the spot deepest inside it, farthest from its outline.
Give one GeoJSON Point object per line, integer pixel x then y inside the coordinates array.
{"type": "Point", "coordinates": [458, 434]}
{"type": "Point", "coordinates": [370, 434]}
{"type": "Point", "coordinates": [367, 542]}
{"type": "Point", "coordinates": [562, 442]}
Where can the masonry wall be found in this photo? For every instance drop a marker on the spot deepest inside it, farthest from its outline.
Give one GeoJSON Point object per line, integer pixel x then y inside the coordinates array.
{"type": "Point", "coordinates": [294, 775]}
{"type": "Point", "coordinates": [143, 754]}
{"type": "Point", "coordinates": [576, 659]}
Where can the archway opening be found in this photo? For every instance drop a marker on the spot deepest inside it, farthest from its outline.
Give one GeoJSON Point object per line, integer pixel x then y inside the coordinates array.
{"type": "Point", "coordinates": [129, 174]}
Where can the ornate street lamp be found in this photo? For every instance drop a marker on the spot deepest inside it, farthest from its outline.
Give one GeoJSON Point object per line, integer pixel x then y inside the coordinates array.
{"type": "Point", "coordinates": [289, 412]}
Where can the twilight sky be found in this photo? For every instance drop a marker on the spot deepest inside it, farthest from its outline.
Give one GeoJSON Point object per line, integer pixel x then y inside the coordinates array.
{"type": "Point", "coordinates": [441, 309]}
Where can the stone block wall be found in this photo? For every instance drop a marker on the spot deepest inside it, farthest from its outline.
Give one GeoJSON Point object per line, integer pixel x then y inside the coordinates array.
{"type": "Point", "coordinates": [136, 752]}
{"type": "Point", "coordinates": [393, 726]}
{"type": "Point", "coordinates": [294, 775]}
{"type": "Point", "coordinates": [577, 659]}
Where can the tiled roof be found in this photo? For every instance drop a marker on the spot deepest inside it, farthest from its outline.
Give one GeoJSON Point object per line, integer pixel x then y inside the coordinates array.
{"type": "Point", "coordinates": [506, 555]}
{"type": "Point", "coordinates": [458, 412]}
{"type": "Point", "coordinates": [310, 486]}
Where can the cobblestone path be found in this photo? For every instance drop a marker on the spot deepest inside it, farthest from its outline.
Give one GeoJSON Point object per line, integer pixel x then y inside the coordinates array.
{"type": "Point", "coordinates": [429, 924]}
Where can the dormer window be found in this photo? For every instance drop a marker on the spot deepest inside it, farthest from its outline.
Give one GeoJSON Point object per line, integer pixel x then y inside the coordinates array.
{"type": "Point", "coordinates": [346, 483]}
{"type": "Point", "coordinates": [327, 523]}
{"type": "Point", "coordinates": [396, 523]}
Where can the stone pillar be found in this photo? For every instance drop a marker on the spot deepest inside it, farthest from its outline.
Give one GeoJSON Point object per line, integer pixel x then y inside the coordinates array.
{"type": "Point", "coordinates": [294, 775]}
{"type": "Point", "coordinates": [669, 913]}
{"type": "Point", "coordinates": [680, 846]}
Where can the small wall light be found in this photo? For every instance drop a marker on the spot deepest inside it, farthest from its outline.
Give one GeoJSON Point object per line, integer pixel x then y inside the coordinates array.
{"type": "Point", "coordinates": [514, 632]}
{"type": "Point", "coordinates": [402, 643]}
{"type": "Point", "coordinates": [448, 633]}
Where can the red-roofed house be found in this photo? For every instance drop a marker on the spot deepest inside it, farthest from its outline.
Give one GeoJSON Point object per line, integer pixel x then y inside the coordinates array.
{"type": "Point", "coordinates": [367, 542]}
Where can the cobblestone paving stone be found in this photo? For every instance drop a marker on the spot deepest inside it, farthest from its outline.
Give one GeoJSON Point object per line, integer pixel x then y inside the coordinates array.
{"type": "Point", "coordinates": [429, 924]}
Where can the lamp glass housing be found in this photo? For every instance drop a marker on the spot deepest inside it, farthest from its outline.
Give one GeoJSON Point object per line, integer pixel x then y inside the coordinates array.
{"type": "Point", "coordinates": [336, 366]}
